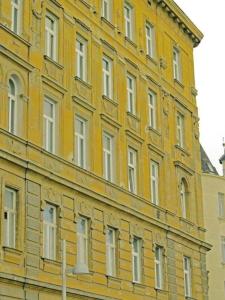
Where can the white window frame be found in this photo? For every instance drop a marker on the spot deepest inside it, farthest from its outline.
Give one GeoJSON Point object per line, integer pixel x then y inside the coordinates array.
{"type": "Point", "coordinates": [111, 251]}
{"type": "Point", "coordinates": [107, 10]}
{"type": "Point", "coordinates": [82, 241]}
{"type": "Point", "coordinates": [176, 64]}
{"type": "Point", "coordinates": [180, 130]}
{"type": "Point", "coordinates": [81, 58]}
{"type": "Point", "coordinates": [221, 205]}
{"type": "Point", "coordinates": [154, 182]}
{"type": "Point", "coordinates": [51, 49]}
{"type": "Point", "coordinates": [10, 216]}
{"type": "Point", "coordinates": [223, 248]}
{"type": "Point", "coordinates": [81, 142]}
{"type": "Point", "coordinates": [187, 277]}
{"type": "Point", "coordinates": [152, 105]}
{"type": "Point", "coordinates": [183, 199]}
{"type": "Point", "coordinates": [131, 94]}
{"type": "Point", "coordinates": [107, 77]}
{"type": "Point", "coordinates": [158, 267]}
{"type": "Point", "coordinates": [49, 233]}
{"type": "Point", "coordinates": [12, 100]}
{"type": "Point", "coordinates": [129, 20]}
{"type": "Point", "coordinates": [47, 126]}
{"type": "Point", "coordinates": [132, 170]}
{"type": "Point", "coordinates": [16, 11]}
{"type": "Point", "coordinates": [108, 157]}
{"type": "Point", "coordinates": [149, 29]}
{"type": "Point", "coordinates": [136, 260]}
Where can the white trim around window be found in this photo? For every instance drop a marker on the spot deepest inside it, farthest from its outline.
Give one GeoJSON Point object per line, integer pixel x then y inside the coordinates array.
{"type": "Point", "coordinates": [108, 156]}
{"type": "Point", "coordinates": [176, 64]}
{"type": "Point", "coordinates": [221, 205]}
{"type": "Point", "coordinates": [131, 94]}
{"type": "Point", "coordinates": [150, 47]}
{"type": "Point", "coordinates": [136, 259]}
{"type": "Point", "coordinates": [80, 142]}
{"type": "Point", "coordinates": [49, 232]}
{"type": "Point", "coordinates": [82, 241]}
{"type": "Point", "coordinates": [152, 106]}
{"type": "Point", "coordinates": [49, 124]}
{"type": "Point", "coordinates": [10, 217]}
{"type": "Point", "coordinates": [132, 170]}
{"type": "Point", "coordinates": [159, 267]}
{"type": "Point", "coordinates": [16, 10]}
{"type": "Point", "coordinates": [154, 182]}
{"type": "Point", "coordinates": [180, 130]}
{"type": "Point", "coordinates": [107, 9]}
{"type": "Point", "coordinates": [13, 105]}
{"type": "Point", "coordinates": [51, 36]}
{"type": "Point", "coordinates": [129, 20]}
{"type": "Point", "coordinates": [111, 251]}
{"type": "Point", "coordinates": [81, 58]}
{"type": "Point", "coordinates": [187, 277]}
{"type": "Point", "coordinates": [183, 199]}
{"type": "Point", "coordinates": [107, 77]}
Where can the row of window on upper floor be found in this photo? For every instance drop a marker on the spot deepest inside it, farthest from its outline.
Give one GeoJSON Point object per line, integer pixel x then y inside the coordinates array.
{"type": "Point", "coordinates": [50, 238]}
{"type": "Point", "coordinates": [82, 138]}
{"type": "Point", "coordinates": [51, 41]}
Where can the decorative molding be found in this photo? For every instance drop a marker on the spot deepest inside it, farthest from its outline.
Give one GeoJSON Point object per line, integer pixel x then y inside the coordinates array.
{"type": "Point", "coordinates": [181, 165]}
{"type": "Point", "coordinates": [83, 103]}
{"type": "Point", "coordinates": [109, 120]}
{"type": "Point", "coordinates": [82, 24]}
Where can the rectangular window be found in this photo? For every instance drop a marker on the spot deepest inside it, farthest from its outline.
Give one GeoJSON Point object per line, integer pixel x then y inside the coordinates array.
{"type": "Point", "coordinates": [10, 218]}
{"type": "Point", "coordinates": [131, 94]}
{"type": "Point", "coordinates": [16, 15]}
{"type": "Point", "coordinates": [176, 64]}
{"type": "Point", "coordinates": [49, 125]}
{"type": "Point", "coordinates": [107, 156]}
{"type": "Point", "coordinates": [158, 267]}
{"type": "Point", "coordinates": [128, 16]}
{"type": "Point", "coordinates": [49, 232]}
{"type": "Point", "coordinates": [155, 182]}
{"type": "Point", "coordinates": [150, 40]}
{"type": "Point", "coordinates": [221, 206]}
{"type": "Point", "coordinates": [80, 142]}
{"type": "Point", "coordinates": [152, 109]}
{"type": "Point", "coordinates": [136, 259]}
{"type": "Point", "coordinates": [223, 248]}
{"type": "Point", "coordinates": [106, 9]}
{"type": "Point", "coordinates": [82, 241]}
{"type": "Point", "coordinates": [51, 40]}
{"type": "Point", "coordinates": [107, 77]}
{"type": "Point", "coordinates": [132, 170]}
{"type": "Point", "coordinates": [13, 103]}
{"type": "Point", "coordinates": [81, 54]}
{"type": "Point", "coordinates": [180, 130]}
{"type": "Point", "coordinates": [187, 276]}
{"type": "Point", "coordinates": [111, 251]}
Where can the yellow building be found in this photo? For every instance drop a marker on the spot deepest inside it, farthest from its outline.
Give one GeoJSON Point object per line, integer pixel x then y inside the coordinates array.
{"type": "Point", "coordinates": [213, 188]}
{"type": "Point", "coordinates": [99, 147]}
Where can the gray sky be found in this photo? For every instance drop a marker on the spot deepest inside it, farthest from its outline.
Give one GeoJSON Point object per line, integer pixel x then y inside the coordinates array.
{"type": "Point", "coordinates": [209, 72]}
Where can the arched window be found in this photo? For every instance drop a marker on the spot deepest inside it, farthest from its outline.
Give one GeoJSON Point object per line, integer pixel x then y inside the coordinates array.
{"type": "Point", "coordinates": [183, 199]}
{"type": "Point", "coordinates": [12, 96]}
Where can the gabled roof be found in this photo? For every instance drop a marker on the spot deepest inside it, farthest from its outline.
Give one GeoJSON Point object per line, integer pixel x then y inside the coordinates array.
{"type": "Point", "coordinates": [207, 166]}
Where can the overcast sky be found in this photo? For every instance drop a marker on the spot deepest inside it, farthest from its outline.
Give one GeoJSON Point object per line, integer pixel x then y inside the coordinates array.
{"type": "Point", "coordinates": [210, 72]}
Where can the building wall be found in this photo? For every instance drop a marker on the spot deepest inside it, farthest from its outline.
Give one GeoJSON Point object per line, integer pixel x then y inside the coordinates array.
{"type": "Point", "coordinates": [41, 177]}
{"type": "Point", "coordinates": [212, 185]}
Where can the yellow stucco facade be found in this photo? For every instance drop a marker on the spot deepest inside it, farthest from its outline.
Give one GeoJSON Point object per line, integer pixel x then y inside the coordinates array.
{"type": "Point", "coordinates": [40, 178]}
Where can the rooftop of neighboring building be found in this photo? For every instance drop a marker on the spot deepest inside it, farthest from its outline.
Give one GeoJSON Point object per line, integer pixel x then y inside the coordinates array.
{"type": "Point", "coordinates": [207, 166]}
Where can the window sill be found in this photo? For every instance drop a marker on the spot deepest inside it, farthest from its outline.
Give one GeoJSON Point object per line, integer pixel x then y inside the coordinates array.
{"type": "Point", "coordinates": [129, 114]}
{"type": "Point", "coordinates": [85, 3]}
{"type": "Point", "coordinates": [138, 284]}
{"type": "Point", "coordinates": [107, 22]}
{"type": "Point", "coordinates": [110, 100]}
{"type": "Point", "coordinates": [187, 221]}
{"type": "Point", "coordinates": [154, 130]}
{"type": "Point", "coordinates": [113, 278]}
{"type": "Point", "coordinates": [12, 250]}
{"type": "Point", "coordinates": [178, 82]}
{"type": "Point", "coordinates": [83, 82]}
{"type": "Point", "coordinates": [152, 59]}
{"type": "Point", "coordinates": [51, 261]}
{"type": "Point", "coordinates": [161, 291]}
{"type": "Point", "coordinates": [127, 39]}
{"type": "Point", "coordinates": [46, 57]}
{"type": "Point", "coordinates": [15, 35]}
{"type": "Point", "coordinates": [182, 150]}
